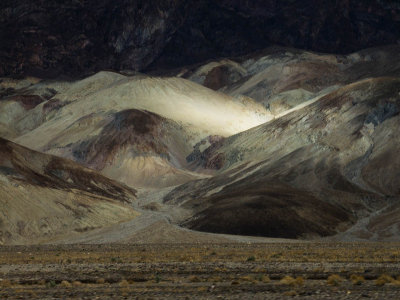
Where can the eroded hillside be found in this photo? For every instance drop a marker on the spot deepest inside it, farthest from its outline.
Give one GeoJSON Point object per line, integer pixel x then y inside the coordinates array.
{"type": "Point", "coordinates": [281, 143]}
{"type": "Point", "coordinates": [43, 197]}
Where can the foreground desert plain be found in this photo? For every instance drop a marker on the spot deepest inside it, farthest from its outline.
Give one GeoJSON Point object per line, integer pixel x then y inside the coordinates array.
{"type": "Point", "coordinates": [204, 271]}
{"type": "Point", "coordinates": [271, 175]}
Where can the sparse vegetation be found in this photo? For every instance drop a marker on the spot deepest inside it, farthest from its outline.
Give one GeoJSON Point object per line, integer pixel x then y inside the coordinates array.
{"type": "Point", "coordinates": [289, 280]}
{"type": "Point", "coordinates": [248, 278]}
{"type": "Point", "coordinates": [263, 278]}
{"type": "Point", "coordinates": [228, 266]}
{"type": "Point", "coordinates": [100, 281]}
{"type": "Point", "coordinates": [65, 283]}
{"type": "Point", "coordinates": [335, 279]}
{"type": "Point", "coordinates": [384, 279]}
{"type": "Point", "coordinates": [123, 283]}
{"type": "Point", "coordinates": [357, 279]}
{"type": "Point", "coordinates": [216, 279]}
{"type": "Point", "coordinates": [194, 278]}
{"type": "Point", "coordinates": [51, 284]}
{"type": "Point", "coordinates": [251, 258]}
{"type": "Point", "coordinates": [5, 283]}
{"type": "Point", "coordinates": [41, 282]}
{"type": "Point", "coordinates": [299, 281]}
{"type": "Point", "coordinates": [157, 278]}
{"type": "Point", "coordinates": [329, 253]}
{"type": "Point", "coordinates": [290, 293]}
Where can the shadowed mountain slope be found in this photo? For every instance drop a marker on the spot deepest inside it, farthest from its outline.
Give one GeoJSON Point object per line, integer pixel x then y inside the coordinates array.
{"type": "Point", "coordinates": [314, 171]}
{"type": "Point", "coordinates": [69, 37]}
{"type": "Point", "coordinates": [43, 197]}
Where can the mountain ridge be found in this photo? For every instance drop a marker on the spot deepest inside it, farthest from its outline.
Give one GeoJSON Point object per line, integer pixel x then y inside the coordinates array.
{"type": "Point", "coordinates": [75, 38]}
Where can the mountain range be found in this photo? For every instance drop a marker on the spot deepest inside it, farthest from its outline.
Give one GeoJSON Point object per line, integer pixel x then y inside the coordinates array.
{"type": "Point", "coordinates": [276, 143]}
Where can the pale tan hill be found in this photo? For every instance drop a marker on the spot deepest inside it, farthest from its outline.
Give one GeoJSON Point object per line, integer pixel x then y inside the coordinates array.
{"type": "Point", "coordinates": [282, 78]}
{"type": "Point", "coordinates": [137, 129]}
{"type": "Point", "coordinates": [136, 147]}
{"type": "Point", "coordinates": [174, 98]}
{"type": "Point", "coordinates": [43, 197]}
{"type": "Point", "coordinates": [312, 172]}
{"type": "Point", "coordinates": [304, 146]}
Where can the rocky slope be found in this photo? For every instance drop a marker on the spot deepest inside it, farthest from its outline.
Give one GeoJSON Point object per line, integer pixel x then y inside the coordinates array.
{"type": "Point", "coordinates": [71, 37]}
{"type": "Point", "coordinates": [314, 171]}
{"type": "Point", "coordinates": [43, 197]}
{"type": "Point", "coordinates": [282, 78]}
{"type": "Point", "coordinates": [293, 144]}
{"type": "Point", "coordinates": [135, 129]}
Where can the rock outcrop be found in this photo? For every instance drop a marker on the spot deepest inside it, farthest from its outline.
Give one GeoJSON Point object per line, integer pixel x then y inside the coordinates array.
{"type": "Point", "coordinates": [52, 38]}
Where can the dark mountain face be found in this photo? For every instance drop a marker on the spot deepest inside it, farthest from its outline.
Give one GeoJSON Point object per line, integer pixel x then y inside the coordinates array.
{"type": "Point", "coordinates": [73, 37]}
{"type": "Point", "coordinates": [228, 28]}
{"type": "Point", "coordinates": [48, 38]}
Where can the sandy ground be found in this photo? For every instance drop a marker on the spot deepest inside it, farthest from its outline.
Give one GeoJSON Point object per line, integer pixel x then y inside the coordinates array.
{"type": "Point", "coordinates": [156, 224]}
{"type": "Point", "coordinates": [201, 271]}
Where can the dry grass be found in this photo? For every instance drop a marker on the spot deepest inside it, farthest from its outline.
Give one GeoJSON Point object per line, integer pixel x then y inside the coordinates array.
{"type": "Point", "coordinates": [76, 283]}
{"type": "Point", "coordinates": [65, 283]}
{"type": "Point", "coordinates": [264, 278]}
{"type": "Point", "coordinates": [287, 253]}
{"type": "Point", "coordinates": [384, 279]}
{"type": "Point", "coordinates": [201, 289]}
{"type": "Point", "coordinates": [215, 279]}
{"type": "Point", "coordinates": [291, 293]}
{"type": "Point", "coordinates": [357, 279]}
{"type": "Point", "coordinates": [123, 283]}
{"type": "Point", "coordinates": [137, 269]}
{"type": "Point", "coordinates": [335, 280]}
{"type": "Point", "coordinates": [100, 281]}
{"type": "Point", "coordinates": [42, 282]}
{"type": "Point", "coordinates": [288, 280]}
{"type": "Point", "coordinates": [5, 283]}
{"type": "Point", "coordinates": [194, 278]}
{"type": "Point", "coordinates": [248, 279]}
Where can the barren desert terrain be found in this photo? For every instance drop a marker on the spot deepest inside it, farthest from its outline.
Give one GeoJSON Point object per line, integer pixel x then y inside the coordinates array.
{"type": "Point", "coordinates": [199, 149]}
{"type": "Point", "coordinates": [202, 271]}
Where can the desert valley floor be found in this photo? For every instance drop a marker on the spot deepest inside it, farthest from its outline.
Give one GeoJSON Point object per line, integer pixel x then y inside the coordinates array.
{"type": "Point", "coordinates": [203, 271]}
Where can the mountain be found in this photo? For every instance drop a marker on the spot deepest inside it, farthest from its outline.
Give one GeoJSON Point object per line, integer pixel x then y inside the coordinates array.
{"type": "Point", "coordinates": [135, 129]}
{"type": "Point", "coordinates": [74, 38]}
{"type": "Point", "coordinates": [315, 171]}
{"type": "Point", "coordinates": [279, 143]}
{"type": "Point", "coordinates": [283, 78]}
{"type": "Point", "coordinates": [43, 197]}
